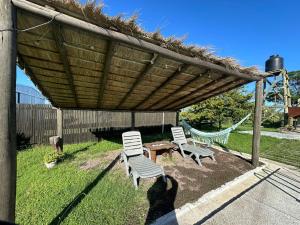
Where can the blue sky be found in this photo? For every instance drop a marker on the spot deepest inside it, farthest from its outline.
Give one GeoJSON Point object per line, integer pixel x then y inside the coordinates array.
{"type": "Point", "coordinates": [249, 31]}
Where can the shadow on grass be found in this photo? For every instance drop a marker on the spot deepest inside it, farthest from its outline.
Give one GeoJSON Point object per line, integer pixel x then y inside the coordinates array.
{"type": "Point", "coordinates": [161, 197]}
{"type": "Point", "coordinates": [77, 199]}
{"type": "Point", "coordinates": [82, 149]}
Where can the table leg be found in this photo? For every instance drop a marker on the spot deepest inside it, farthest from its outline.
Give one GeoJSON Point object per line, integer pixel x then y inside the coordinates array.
{"type": "Point", "coordinates": [153, 155]}
{"type": "Point", "coordinates": [170, 153]}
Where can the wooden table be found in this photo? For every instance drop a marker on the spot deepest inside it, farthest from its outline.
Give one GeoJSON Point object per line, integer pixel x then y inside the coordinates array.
{"type": "Point", "coordinates": [157, 146]}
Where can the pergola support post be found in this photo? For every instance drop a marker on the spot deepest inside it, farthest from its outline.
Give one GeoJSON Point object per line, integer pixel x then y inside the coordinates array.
{"type": "Point", "coordinates": [7, 111]}
{"type": "Point", "coordinates": [257, 122]}
{"type": "Point", "coordinates": [132, 120]}
{"type": "Point", "coordinates": [60, 127]}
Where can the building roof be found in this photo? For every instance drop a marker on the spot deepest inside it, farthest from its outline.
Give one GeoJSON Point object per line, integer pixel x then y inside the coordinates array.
{"type": "Point", "coordinates": [80, 58]}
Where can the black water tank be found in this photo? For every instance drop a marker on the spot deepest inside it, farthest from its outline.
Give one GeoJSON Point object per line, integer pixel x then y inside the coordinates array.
{"type": "Point", "coordinates": [275, 62]}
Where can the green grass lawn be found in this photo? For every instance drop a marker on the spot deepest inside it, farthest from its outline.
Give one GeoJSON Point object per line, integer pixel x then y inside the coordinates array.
{"type": "Point", "coordinates": [281, 150]}
{"type": "Point", "coordinates": [67, 194]}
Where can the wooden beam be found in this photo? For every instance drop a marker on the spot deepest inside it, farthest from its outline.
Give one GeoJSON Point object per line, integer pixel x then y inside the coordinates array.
{"type": "Point", "coordinates": [108, 59]}
{"type": "Point", "coordinates": [205, 85]}
{"type": "Point", "coordinates": [224, 88]}
{"type": "Point", "coordinates": [178, 72]}
{"type": "Point", "coordinates": [257, 122]}
{"type": "Point", "coordinates": [148, 67]}
{"type": "Point", "coordinates": [57, 34]}
{"type": "Point", "coordinates": [123, 38]}
{"type": "Point", "coordinates": [199, 77]}
{"type": "Point", "coordinates": [8, 51]}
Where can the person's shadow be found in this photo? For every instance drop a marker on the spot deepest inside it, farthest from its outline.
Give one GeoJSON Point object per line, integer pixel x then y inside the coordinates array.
{"type": "Point", "coordinates": [161, 197]}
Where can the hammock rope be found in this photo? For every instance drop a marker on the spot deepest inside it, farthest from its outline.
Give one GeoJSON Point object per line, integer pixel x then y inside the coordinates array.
{"type": "Point", "coordinates": [211, 137]}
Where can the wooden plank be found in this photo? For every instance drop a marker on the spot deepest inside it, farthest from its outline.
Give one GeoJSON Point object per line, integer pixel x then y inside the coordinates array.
{"type": "Point", "coordinates": [139, 79]}
{"type": "Point", "coordinates": [179, 71]}
{"type": "Point", "coordinates": [257, 122]}
{"type": "Point", "coordinates": [57, 34]}
{"type": "Point", "coordinates": [108, 58]}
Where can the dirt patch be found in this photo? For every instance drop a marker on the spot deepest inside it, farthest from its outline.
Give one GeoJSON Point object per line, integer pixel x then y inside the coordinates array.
{"type": "Point", "coordinates": [187, 181]}
{"type": "Point", "coordinates": [90, 164]}
{"type": "Point", "coordinates": [100, 160]}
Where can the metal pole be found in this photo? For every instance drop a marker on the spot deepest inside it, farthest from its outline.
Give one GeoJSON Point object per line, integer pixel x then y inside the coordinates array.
{"type": "Point", "coordinates": [7, 111]}
{"type": "Point", "coordinates": [257, 122]}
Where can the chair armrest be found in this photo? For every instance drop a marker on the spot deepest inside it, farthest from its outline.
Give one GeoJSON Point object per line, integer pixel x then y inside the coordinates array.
{"type": "Point", "coordinates": [199, 142]}
{"type": "Point", "coordinates": [147, 150]}
{"type": "Point", "coordinates": [179, 143]}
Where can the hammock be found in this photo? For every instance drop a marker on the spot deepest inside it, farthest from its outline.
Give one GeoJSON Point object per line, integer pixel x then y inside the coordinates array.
{"type": "Point", "coordinates": [211, 137]}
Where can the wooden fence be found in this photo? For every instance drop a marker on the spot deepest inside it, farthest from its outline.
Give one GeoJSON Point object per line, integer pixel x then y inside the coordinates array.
{"type": "Point", "coordinates": [38, 122]}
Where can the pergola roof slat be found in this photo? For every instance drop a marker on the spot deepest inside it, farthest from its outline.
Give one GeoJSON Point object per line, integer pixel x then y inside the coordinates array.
{"type": "Point", "coordinates": [112, 69]}
{"type": "Point", "coordinates": [57, 34]}
{"type": "Point", "coordinates": [103, 82]}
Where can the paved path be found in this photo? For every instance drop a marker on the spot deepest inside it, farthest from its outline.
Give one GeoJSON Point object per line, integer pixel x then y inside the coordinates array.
{"type": "Point", "coordinates": [269, 196]}
{"type": "Point", "coordinates": [276, 200]}
{"type": "Point", "coordinates": [290, 135]}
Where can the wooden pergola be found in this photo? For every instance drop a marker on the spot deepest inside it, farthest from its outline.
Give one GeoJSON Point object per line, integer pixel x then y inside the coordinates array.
{"type": "Point", "coordinates": [78, 64]}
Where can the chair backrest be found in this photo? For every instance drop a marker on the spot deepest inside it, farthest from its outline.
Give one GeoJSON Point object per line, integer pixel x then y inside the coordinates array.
{"type": "Point", "coordinates": [178, 135]}
{"type": "Point", "coordinates": [132, 143]}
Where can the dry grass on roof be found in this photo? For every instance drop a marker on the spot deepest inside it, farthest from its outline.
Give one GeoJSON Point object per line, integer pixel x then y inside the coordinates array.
{"type": "Point", "coordinates": [93, 13]}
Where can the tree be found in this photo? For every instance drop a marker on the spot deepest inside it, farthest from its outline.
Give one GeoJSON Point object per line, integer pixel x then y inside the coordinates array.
{"type": "Point", "coordinates": [234, 104]}
{"type": "Point", "coordinates": [294, 82]}
{"type": "Point", "coordinates": [295, 86]}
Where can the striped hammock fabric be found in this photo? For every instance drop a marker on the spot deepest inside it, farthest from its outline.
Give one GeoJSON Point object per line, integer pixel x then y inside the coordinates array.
{"type": "Point", "coordinates": [211, 137]}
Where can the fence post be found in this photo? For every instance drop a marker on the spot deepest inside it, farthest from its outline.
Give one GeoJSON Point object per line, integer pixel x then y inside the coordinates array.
{"type": "Point", "coordinates": [163, 123]}
{"type": "Point", "coordinates": [60, 126]}
{"type": "Point", "coordinates": [8, 48]}
{"type": "Point", "coordinates": [132, 120]}
{"type": "Point", "coordinates": [177, 118]}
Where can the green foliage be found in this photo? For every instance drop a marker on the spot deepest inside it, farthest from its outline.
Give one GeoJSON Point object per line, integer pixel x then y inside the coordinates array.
{"type": "Point", "coordinates": [53, 157]}
{"type": "Point", "coordinates": [295, 86]}
{"type": "Point", "coordinates": [271, 117]}
{"type": "Point", "coordinates": [234, 104]}
{"type": "Point", "coordinates": [294, 82]}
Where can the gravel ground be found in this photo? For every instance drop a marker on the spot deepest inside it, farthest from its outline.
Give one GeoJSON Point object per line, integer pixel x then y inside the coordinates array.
{"type": "Point", "coordinates": [187, 181]}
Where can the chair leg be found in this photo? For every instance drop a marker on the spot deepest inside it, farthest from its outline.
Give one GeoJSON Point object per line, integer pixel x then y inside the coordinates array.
{"type": "Point", "coordinates": [126, 165]}
{"type": "Point", "coordinates": [198, 159]}
{"type": "Point", "coordinates": [164, 178]}
{"type": "Point", "coordinates": [213, 157]}
{"type": "Point", "coordinates": [135, 179]}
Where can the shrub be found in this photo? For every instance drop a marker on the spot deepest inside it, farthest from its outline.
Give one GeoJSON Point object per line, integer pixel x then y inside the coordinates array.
{"type": "Point", "coordinates": [53, 157]}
